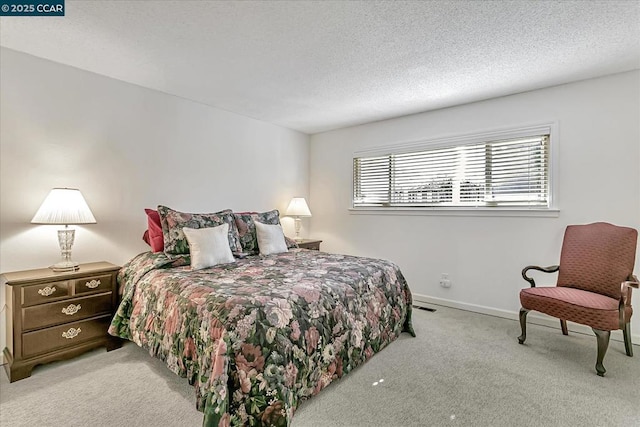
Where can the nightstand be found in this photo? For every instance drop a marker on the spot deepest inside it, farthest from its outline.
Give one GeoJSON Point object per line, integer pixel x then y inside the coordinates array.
{"type": "Point", "coordinates": [58, 315]}
{"type": "Point", "coordinates": [309, 244]}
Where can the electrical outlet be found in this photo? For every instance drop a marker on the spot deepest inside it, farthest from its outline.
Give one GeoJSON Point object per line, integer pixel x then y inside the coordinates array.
{"type": "Point", "coordinates": [444, 280]}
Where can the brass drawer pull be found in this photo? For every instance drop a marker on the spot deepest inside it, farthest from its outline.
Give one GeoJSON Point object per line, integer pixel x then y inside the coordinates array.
{"type": "Point", "coordinates": [92, 284]}
{"type": "Point", "coordinates": [71, 333]}
{"type": "Point", "coordinates": [46, 291]}
{"type": "Point", "coordinates": [71, 309]}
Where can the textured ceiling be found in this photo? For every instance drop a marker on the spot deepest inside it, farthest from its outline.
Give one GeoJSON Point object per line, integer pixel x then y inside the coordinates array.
{"type": "Point", "coordinates": [320, 65]}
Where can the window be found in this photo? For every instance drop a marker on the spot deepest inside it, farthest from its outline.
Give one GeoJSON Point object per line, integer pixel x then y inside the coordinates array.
{"type": "Point", "coordinates": [503, 169]}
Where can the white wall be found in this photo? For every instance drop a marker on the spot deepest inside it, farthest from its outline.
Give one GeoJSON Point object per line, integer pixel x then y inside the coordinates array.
{"type": "Point", "coordinates": [598, 180]}
{"type": "Point", "coordinates": [126, 148]}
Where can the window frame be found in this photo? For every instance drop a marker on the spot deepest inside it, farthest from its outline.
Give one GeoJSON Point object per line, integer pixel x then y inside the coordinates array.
{"type": "Point", "coordinates": [550, 128]}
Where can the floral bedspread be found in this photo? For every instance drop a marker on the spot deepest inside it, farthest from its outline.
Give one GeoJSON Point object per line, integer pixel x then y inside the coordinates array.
{"type": "Point", "coordinates": [258, 336]}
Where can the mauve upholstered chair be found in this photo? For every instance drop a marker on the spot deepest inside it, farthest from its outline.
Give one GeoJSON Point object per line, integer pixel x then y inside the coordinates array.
{"type": "Point", "coordinates": [595, 277]}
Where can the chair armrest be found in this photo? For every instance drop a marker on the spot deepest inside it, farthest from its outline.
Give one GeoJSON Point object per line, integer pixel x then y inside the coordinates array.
{"type": "Point", "coordinates": [625, 297]}
{"type": "Point", "coordinates": [625, 290]}
{"type": "Point", "coordinates": [551, 269]}
{"type": "Point", "coordinates": [632, 282]}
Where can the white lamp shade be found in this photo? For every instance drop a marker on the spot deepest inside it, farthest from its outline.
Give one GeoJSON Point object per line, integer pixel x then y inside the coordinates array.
{"type": "Point", "coordinates": [64, 206]}
{"type": "Point", "coordinates": [298, 207]}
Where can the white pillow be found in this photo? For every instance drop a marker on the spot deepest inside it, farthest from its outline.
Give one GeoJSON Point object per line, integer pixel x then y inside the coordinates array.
{"type": "Point", "coordinates": [209, 246]}
{"type": "Point", "coordinates": [270, 238]}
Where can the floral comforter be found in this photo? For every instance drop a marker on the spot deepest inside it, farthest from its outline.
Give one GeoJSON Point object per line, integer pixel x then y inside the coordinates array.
{"type": "Point", "coordinates": [257, 336]}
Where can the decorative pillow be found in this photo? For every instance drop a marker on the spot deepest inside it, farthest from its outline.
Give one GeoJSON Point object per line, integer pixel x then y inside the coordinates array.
{"type": "Point", "coordinates": [290, 243]}
{"type": "Point", "coordinates": [270, 238]}
{"type": "Point", "coordinates": [209, 246]}
{"type": "Point", "coordinates": [153, 235]}
{"type": "Point", "coordinates": [245, 222]}
{"type": "Point", "coordinates": [175, 242]}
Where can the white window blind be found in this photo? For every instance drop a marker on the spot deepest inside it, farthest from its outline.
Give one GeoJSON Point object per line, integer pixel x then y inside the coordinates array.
{"type": "Point", "coordinates": [511, 172]}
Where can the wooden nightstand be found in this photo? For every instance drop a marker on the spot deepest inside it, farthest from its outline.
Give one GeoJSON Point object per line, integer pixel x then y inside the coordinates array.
{"type": "Point", "coordinates": [58, 315]}
{"type": "Point", "coordinates": [309, 244]}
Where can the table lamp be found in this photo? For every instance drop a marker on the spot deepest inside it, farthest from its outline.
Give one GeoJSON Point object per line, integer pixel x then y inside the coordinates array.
{"type": "Point", "coordinates": [298, 208]}
{"type": "Point", "coordinates": [64, 206]}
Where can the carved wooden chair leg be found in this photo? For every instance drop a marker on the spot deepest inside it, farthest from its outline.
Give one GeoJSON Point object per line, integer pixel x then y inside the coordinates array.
{"type": "Point", "coordinates": [563, 325]}
{"type": "Point", "coordinates": [626, 331]}
{"type": "Point", "coordinates": [603, 344]}
{"type": "Point", "coordinates": [523, 325]}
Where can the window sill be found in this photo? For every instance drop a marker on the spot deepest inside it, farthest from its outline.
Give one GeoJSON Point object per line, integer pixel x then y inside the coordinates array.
{"type": "Point", "coordinates": [440, 211]}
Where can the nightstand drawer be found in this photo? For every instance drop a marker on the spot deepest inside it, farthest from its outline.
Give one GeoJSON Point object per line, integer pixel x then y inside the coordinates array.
{"type": "Point", "coordinates": [93, 284]}
{"type": "Point", "coordinates": [69, 310]}
{"type": "Point", "coordinates": [310, 244]}
{"type": "Point", "coordinates": [62, 336]}
{"type": "Point", "coordinates": [45, 292]}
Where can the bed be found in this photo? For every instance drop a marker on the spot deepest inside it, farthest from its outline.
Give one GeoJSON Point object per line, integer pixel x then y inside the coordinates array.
{"type": "Point", "coordinates": [257, 336]}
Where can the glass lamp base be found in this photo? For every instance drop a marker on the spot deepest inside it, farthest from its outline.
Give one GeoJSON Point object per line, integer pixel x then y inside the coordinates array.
{"type": "Point", "coordinates": [297, 224]}
{"type": "Point", "coordinates": [65, 266]}
{"type": "Point", "coordinates": [65, 240]}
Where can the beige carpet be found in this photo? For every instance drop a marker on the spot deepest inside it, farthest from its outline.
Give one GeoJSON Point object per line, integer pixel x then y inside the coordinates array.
{"type": "Point", "coordinates": [463, 369]}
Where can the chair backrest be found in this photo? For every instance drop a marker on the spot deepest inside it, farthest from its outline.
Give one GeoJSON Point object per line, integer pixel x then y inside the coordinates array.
{"type": "Point", "coordinates": [597, 257]}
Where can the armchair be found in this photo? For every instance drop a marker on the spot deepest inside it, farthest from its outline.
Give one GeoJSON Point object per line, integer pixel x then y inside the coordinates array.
{"type": "Point", "coordinates": [595, 277]}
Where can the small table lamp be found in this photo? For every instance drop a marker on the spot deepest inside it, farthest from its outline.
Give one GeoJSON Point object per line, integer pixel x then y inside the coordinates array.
{"type": "Point", "coordinates": [298, 208]}
{"type": "Point", "coordinates": [64, 206]}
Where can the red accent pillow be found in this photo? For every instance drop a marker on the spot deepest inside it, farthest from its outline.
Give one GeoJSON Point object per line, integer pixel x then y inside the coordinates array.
{"type": "Point", "coordinates": [154, 233]}
{"type": "Point", "coordinates": [145, 237]}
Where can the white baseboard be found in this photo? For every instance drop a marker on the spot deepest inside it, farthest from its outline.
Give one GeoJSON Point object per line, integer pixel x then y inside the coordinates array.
{"type": "Point", "coordinates": [532, 317]}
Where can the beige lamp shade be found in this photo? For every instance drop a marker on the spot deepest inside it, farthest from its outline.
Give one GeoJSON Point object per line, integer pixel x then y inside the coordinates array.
{"type": "Point", "coordinates": [64, 206]}
{"type": "Point", "coordinates": [298, 207]}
